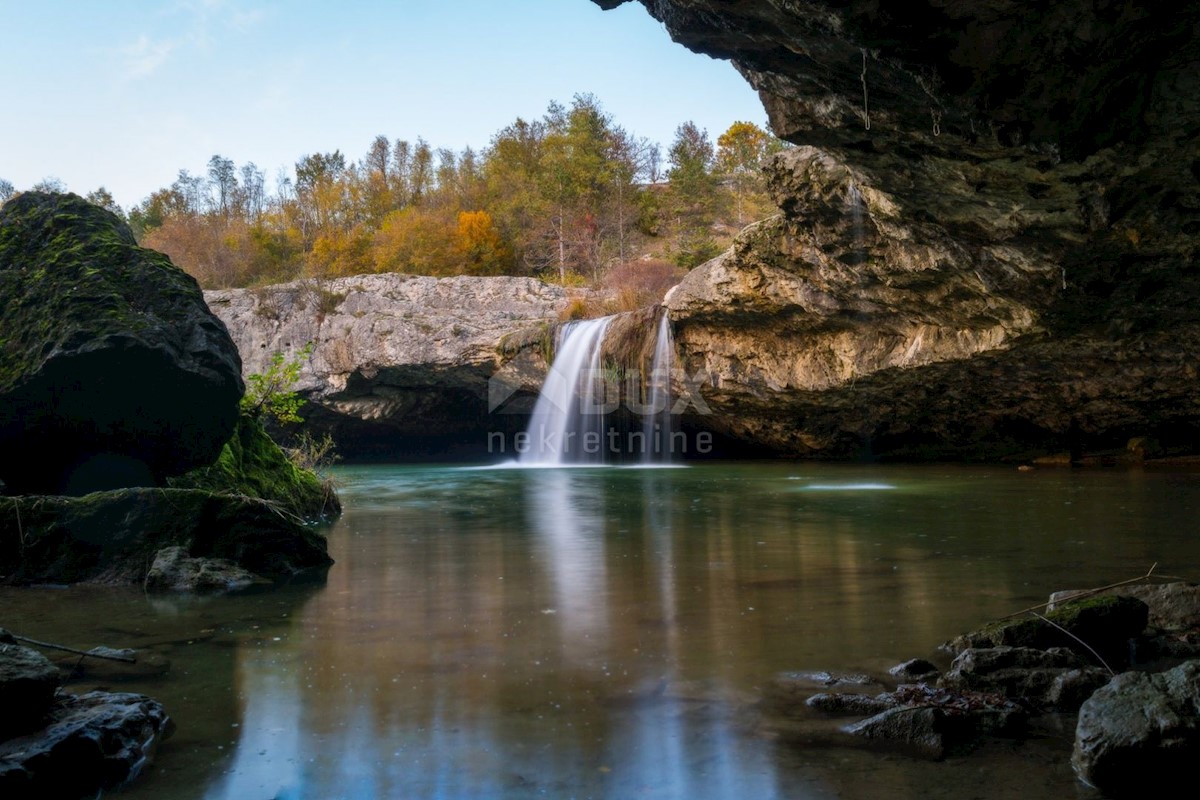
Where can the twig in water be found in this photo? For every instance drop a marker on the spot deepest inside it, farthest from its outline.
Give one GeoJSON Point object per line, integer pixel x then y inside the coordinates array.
{"type": "Point", "coordinates": [65, 649]}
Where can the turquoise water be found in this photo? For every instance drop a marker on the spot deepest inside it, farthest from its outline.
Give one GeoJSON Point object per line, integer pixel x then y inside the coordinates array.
{"type": "Point", "coordinates": [600, 632]}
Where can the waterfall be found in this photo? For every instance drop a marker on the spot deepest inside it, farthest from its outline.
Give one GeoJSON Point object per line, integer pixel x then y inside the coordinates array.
{"type": "Point", "coordinates": [567, 426]}
{"type": "Point", "coordinates": [569, 422]}
{"type": "Point", "coordinates": [656, 418]}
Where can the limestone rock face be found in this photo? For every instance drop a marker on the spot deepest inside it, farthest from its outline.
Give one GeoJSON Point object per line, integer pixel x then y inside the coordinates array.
{"type": "Point", "coordinates": [986, 236]}
{"type": "Point", "coordinates": [399, 355]}
{"type": "Point", "coordinates": [112, 369]}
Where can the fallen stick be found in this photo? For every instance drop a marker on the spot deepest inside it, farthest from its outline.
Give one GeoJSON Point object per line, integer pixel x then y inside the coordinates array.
{"type": "Point", "coordinates": [1086, 593]}
{"type": "Point", "coordinates": [64, 648]}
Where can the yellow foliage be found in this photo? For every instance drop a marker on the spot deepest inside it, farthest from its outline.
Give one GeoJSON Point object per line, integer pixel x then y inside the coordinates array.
{"type": "Point", "coordinates": [481, 246]}
{"type": "Point", "coordinates": [339, 253]}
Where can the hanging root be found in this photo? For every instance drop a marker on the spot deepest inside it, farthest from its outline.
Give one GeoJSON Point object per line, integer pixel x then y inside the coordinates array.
{"type": "Point", "coordinates": [866, 112]}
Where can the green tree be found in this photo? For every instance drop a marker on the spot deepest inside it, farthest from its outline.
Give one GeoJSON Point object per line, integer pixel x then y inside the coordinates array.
{"type": "Point", "coordinates": [273, 392]}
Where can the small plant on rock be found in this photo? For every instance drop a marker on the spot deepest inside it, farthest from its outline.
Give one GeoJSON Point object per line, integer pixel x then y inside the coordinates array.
{"type": "Point", "coordinates": [271, 392]}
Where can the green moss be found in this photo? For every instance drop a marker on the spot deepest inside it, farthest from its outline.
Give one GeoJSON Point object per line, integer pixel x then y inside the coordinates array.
{"type": "Point", "coordinates": [68, 268]}
{"type": "Point", "coordinates": [1103, 623]}
{"type": "Point", "coordinates": [252, 464]}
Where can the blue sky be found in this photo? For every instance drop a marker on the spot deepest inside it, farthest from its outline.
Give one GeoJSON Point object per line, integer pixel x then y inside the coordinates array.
{"type": "Point", "coordinates": [125, 93]}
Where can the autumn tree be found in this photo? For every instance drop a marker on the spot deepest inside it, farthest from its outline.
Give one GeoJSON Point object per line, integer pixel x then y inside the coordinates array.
{"type": "Point", "coordinates": [742, 150]}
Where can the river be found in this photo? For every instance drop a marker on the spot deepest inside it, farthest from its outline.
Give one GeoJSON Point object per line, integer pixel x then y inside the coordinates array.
{"type": "Point", "coordinates": [605, 632]}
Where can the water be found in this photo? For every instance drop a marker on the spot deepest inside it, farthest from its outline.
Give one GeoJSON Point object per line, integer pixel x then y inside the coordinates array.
{"type": "Point", "coordinates": [571, 407]}
{"type": "Point", "coordinates": [605, 632]}
{"type": "Point", "coordinates": [657, 419]}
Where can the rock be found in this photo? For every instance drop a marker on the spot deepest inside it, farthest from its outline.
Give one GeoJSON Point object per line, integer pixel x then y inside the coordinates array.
{"type": "Point", "coordinates": [992, 261]}
{"type": "Point", "coordinates": [401, 358]}
{"type": "Point", "coordinates": [1140, 728]}
{"type": "Point", "coordinates": [919, 731]}
{"type": "Point", "coordinates": [915, 669]}
{"type": "Point", "coordinates": [1172, 606]}
{"type": "Point", "coordinates": [112, 537]}
{"type": "Point", "coordinates": [174, 570]}
{"type": "Point", "coordinates": [1103, 623]}
{"type": "Point", "coordinates": [28, 682]}
{"type": "Point", "coordinates": [96, 741]}
{"type": "Point", "coordinates": [1054, 678]}
{"type": "Point", "coordinates": [252, 464]}
{"type": "Point", "coordinates": [112, 369]}
{"type": "Point", "coordinates": [847, 703]}
{"type": "Point", "coordinates": [788, 692]}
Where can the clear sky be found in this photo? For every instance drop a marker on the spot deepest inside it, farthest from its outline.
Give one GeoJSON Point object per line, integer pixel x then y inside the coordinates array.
{"type": "Point", "coordinates": [125, 93]}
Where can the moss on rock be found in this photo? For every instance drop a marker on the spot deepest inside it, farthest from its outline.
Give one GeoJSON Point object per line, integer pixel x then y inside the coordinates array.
{"type": "Point", "coordinates": [1104, 623]}
{"type": "Point", "coordinates": [108, 355]}
{"type": "Point", "coordinates": [252, 464]}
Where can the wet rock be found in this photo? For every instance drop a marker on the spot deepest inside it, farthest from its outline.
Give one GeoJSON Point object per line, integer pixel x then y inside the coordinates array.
{"type": "Point", "coordinates": [1139, 728]}
{"type": "Point", "coordinates": [1056, 677]}
{"type": "Point", "coordinates": [932, 722]}
{"type": "Point", "coordinates": [788, 692]}
{"type": "Point", "coordinates": [1172, 606]}
{"type": "Point", "coordinates": [849, 703]}
{"type": "Point", "coordinates": [112, 369]}
{"type": "Point", "coordinates": [174, 570]}
{"type": "Point", "coordinates": [1103, 623]}
{"type": "Point", "coordinates": [913, 670]}
{"type": "Point", "coordinates": [94, 742]}
{"type": "Point", "coordinates": [28, 682]}
{"type": "Point", "coordinates": [919, 731]}
{"type": "Point", "coordinates": [113, 537]}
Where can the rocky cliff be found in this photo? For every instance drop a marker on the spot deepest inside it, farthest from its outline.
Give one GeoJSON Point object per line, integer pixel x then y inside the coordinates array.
{"type": "Point", "coordinates": [988, 229]}
{"type": "Point", "coordinates": [402, 363]}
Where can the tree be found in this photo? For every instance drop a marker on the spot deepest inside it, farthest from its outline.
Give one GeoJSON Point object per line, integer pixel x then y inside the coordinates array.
{"type": "Point", "coordinates": [222, 178]}
{"type": "Point", "coordinates": [741, 152]}
{"type": "Point", "coordinates": [50, 184]}
{"type": "Point", "coordinates": [6, 191]}
{"type": "Point", "coordinates": [481, 247]}
{"type": "Point", "coordinates": [103, 198]}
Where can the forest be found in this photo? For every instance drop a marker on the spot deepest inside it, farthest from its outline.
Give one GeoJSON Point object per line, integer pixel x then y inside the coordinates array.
{"type": "Point", "coordinates": [571, 197]}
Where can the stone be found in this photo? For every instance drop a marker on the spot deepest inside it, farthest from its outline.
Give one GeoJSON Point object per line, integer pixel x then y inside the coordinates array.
{"type": "Point", "coordinates": [28, 682]}
{"type": "Point", "coordinates": [1172, 606]}
{"type": "Point", "coordinates": [1140, 728]}
{"type": "Point", "coordinates": [1054, 678]}
{"type": "Point", "coordinates": [1103, 623]}
{"type": "Point", "coordinates": [915, 669]}
{"type": "Point", "coordinates": [401, 360]}
{"type": "Point", "coordinates": [994, 261]}
{"type": "Point", "coordinates": [173, 570]}
{"type": "Point", "coordinates": [112, 368]}
{"type": "Point", "coordinates": [788, 692]}
{"type": "Point", "coordinates": [94, 742]}
{"type": "Point", "coordinates": [113, 537]}
{"type": "Point", "coordinates": [848, 703]}
{"type": "Point", "coordinates": [919, 731]}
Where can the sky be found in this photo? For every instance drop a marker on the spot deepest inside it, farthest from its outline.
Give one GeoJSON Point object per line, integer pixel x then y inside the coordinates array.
{"type": "Point", "coordinates": [126, 93]}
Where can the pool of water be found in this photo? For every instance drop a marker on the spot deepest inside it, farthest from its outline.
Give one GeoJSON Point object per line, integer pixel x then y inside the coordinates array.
{"type": "Point", "coordinates": [606, 633]}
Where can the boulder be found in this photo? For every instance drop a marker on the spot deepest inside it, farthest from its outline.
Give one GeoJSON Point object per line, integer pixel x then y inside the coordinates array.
{"type": "Point", "coordinates": [1172, 606]}
{"type": "Point", "coordinates": [94, 742]}
{"type": "Point", "coordinates": [112, 368]}
{"type": "Point", "coordinates": [113, 537]}
{"type": "Point", "coordinates": [1140, 730]}
{"type": "Point", "coordinates": [1103, 623]}
{"type": "Point", "coordinates": [28, 682]}
{"type": "Point", "coordinates": [172, 569]}
{"type": "Point", "coordinates": [789, 692]}
{"type": "Point", "coordinates": [1054, 678]}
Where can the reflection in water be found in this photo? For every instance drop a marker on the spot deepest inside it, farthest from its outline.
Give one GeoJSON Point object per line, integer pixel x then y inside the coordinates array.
{"type": "Point", "coordinates": [427, 666]}
{"type": "Point", "coordinates": [569, 521]}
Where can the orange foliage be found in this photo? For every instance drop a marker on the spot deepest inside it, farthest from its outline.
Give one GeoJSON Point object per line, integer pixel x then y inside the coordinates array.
{"type": "Point", "coordinates": [481, 246]}
{"type": "Point", "coordinates": [339, 253]}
